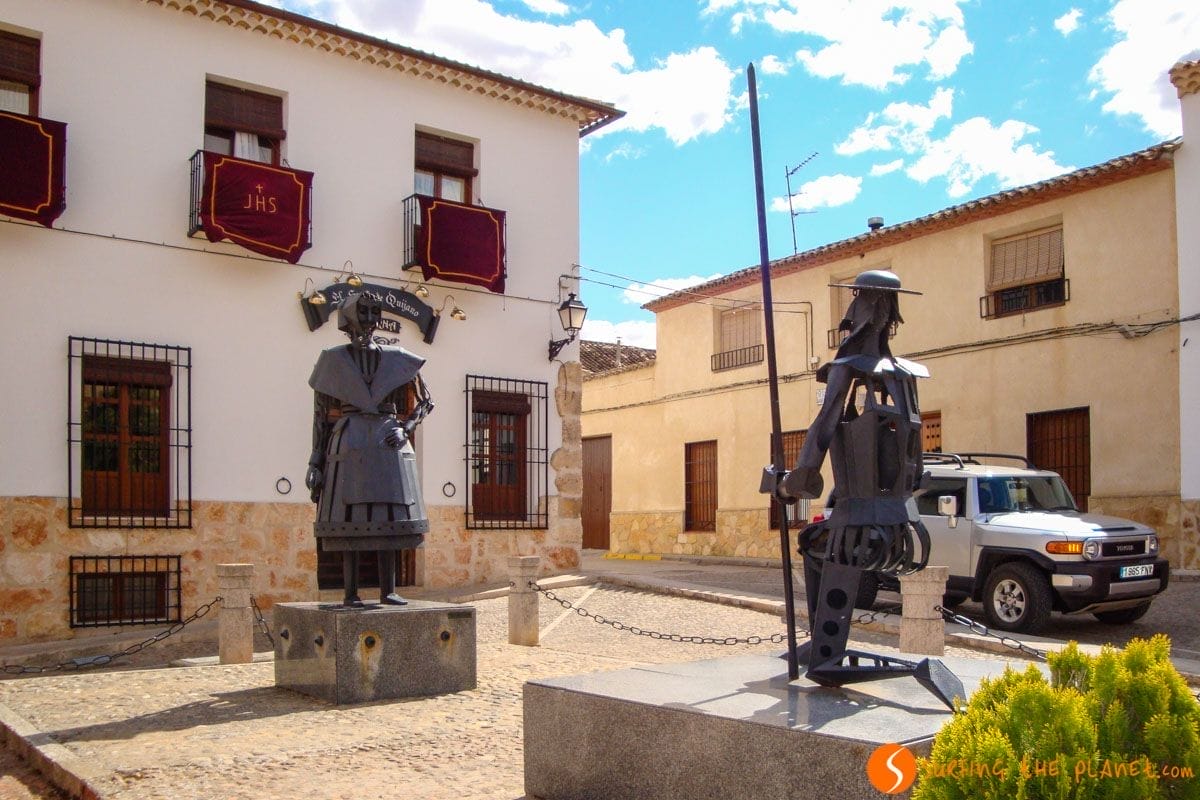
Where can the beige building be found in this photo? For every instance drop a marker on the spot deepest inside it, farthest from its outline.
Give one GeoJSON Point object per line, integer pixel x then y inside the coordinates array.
{"type": "Point", "coordinates": [1049, 321]}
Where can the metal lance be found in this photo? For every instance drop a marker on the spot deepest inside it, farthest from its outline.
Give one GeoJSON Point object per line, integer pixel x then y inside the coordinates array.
{"type": "Point", "coordinates": [785, 547]}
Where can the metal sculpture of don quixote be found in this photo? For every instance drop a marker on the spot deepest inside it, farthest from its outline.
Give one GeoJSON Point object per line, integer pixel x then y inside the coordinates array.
{"type": "Point", "coordinates": [368, 400]}
{"type": "Point", "coordinates": [870, 424]}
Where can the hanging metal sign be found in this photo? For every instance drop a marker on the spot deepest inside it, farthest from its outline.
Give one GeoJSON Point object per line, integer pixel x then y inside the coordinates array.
{"type": "Point", "coordinates": [401, 305]}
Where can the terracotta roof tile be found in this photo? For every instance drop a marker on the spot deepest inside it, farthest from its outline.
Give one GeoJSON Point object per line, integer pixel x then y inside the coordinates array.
{"type": "Point", "coordinates": [1142, 162]}
{"type": "Point", "coordinates": [602, 357]}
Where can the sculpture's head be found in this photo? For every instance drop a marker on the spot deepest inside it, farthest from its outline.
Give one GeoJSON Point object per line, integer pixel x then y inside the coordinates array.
{"type": "Point", "coordinates": [873, 312]}
{"type": "Point", "coordinates": [358, 317]}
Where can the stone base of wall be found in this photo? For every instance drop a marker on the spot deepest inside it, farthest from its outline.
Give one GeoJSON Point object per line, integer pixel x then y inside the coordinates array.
{"type": "Point", "coordinates": [36, 545]}
{"type": "Point", "coordinates": [1178, 537]}
{"type": "Point", "coordinates": [743, 533]}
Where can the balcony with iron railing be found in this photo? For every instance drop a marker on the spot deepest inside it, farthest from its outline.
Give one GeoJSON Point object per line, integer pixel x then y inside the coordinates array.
{"type": "Point", "coordinates": [300, 220]}
{"type": "Point", "coordinates": [455, 241]}
{"type": "Point", "coordinates": [741, 357]}
{"type": "Point", "coordinates": [1019, 299]}
{"type": "Point", "coordinates": [835, 336]}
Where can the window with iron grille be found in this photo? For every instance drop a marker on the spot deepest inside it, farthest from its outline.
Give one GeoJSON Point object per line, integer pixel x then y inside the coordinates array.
{"type": "Point", "coordinates": [507, 452]}
{"type": "Point", "coordinates": [129, 434]}
{"type": "Point", "coordinates": [20, 73]}
{"type": "Point", "coordinates": [739, 337]}
{"type": "Point", "coordinates": [700, 486]}
{"type": "Point", "coordinates": [931, 432]}
{"type": "Point", "coordinates": [792, 442]}
{"type": "Point", "coordinates": [1025, 272]}
{"type": "Point", "coordinates": [243, 123]}
{"type": "Point", "coordinates": [124, 590]}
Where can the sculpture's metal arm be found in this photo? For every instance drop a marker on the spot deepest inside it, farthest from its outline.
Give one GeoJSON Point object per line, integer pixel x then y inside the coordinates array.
{"type": "Point", "coordinates": [805, 479]}
{"type": "Point", "coordinates": [314, 479]}
{"type": "Point", "coordinates": [423, 407]}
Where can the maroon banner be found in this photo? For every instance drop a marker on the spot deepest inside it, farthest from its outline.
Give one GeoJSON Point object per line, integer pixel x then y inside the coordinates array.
{"type": "Point", "coordinates": [461, 243]}
{"type": "Point", "coordinates": [263, 208]}
{"type": "Point", "coordinates": [33, 182]}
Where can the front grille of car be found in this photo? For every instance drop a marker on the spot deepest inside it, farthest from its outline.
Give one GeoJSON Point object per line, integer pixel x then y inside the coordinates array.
{"type": "Point", "coordinates": [1123, 549]}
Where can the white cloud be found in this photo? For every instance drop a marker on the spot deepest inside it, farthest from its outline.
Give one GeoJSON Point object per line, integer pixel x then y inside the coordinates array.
{"type": "Point", "coordinates": [624, 150]}
{"type": "Point", "coordinates": [771, 65]}
{"type": "Point", "coordinates": [640, 293]}
{"type": "Point", "coordinates": [976, 149]}
{"type": "Point", "coordinates": [685, 95]}
{"type": "Point", "coordinates": [1151, 37]}
{"type": "Point", "coordinates": [874, 43]}
{"type": "Point", "coordinates": [548, 7]}
{"type": "Point", "coordinates": [826, 191]}
{"type": "Point", "coordinates": [637, 333]}
{"type": "Point", "coordinates": [971, 151]}
{"type": "Point", "coordinates": [903, 125]}
{"type": "Point", "coordinates": [1068, 22]}
{"type": "Point", "coordinates": [888, 168]}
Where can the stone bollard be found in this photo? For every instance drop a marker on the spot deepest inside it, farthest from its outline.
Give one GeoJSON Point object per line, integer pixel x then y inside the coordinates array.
{"type": "Point", "coordinates": [922, 629]}
{"type": "Point", "coordinates": [236, 642]}
{"type": "Point", "coordinates": [523, 600]}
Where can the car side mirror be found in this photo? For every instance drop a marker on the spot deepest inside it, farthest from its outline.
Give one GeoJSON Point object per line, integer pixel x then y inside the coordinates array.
{"type": "Point", "coordinates": [948, 507]}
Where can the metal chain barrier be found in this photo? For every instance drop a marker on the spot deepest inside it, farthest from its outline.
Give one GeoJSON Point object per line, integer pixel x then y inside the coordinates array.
{"type": "Point", "coordinates": [876, 614]}
{"type": "Point", "coordinates": [84, 662]}
{"type": "Point", "coordinates": [981, 629]}
{"type": "Point", "coordinates": [262, 623]}
{"type": "Point", "coordinates": [776, 638]}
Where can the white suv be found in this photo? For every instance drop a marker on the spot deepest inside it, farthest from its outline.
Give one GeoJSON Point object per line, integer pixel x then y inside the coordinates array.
{"type": "Point", "coordinates": [1015, 541]}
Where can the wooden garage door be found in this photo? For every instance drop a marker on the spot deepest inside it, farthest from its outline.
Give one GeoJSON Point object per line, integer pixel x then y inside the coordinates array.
{"type": "Point", "coordinates": [1062, 441]}
{"type": "Point", "coordinates": [597, 491]}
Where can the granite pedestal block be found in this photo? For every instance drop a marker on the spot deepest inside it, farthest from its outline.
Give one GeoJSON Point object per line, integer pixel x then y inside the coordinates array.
{"type": "Point", "coordinates": [724, 728]}
{"type": "Point", "coordinates": [357, 655]}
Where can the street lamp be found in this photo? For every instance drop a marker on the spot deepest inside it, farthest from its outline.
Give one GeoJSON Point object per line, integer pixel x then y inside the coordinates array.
{"type": "Point", "coordinates": [571, 314]}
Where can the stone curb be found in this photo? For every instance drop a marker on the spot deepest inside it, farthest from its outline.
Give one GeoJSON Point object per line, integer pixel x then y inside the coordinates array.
{"type": "Point", "coordinates": [55, 762]}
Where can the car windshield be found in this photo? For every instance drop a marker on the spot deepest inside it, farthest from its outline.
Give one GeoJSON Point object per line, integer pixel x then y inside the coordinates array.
{"type": "Point", "coordinates": [1037, 493]}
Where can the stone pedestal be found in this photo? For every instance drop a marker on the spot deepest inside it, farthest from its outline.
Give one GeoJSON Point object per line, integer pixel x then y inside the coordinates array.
{"type": "Point", "coordinates": [345, 655]}
{"type": "Point", "coordinates": [523, 600]}
{"type": "Point", "coordinates": [730, 727]}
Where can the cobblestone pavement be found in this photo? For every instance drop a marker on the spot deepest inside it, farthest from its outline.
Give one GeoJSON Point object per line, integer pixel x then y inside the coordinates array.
{"type": "Point", "coordinates": [18, 781]}
{"type": "Point", "coordinates": [227, 732]}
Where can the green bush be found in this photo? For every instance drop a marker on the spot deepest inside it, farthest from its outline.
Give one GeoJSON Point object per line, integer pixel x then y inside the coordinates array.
{"type": "Point", "coordinates": [1118, 725]}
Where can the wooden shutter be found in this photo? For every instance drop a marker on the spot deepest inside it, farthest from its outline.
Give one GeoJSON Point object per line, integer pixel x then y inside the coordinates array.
{"type": "Point", "coordinates": [236, 109]}
{"type": "Point", "coordinates": [739, 328]}
{"type": "Point", "coordinates": [1028, 258]}
{"type": "Point", "coordinates": [793, 441]}
{"type": "Point", "coordinates": [20, 59]}
{"type": "Point", "coordinates": [450, 156]}
{"type": "Point", "coordinates": [1062, 441]}
{"type": "Point", "coordinates": [931, 432]}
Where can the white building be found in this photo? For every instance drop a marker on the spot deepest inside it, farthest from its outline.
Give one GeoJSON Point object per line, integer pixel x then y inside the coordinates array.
{"type": "Point", "coordinates": [156, 399]}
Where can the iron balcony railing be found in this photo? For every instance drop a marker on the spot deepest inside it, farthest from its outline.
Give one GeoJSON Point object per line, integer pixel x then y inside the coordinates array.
{"type": "Point", "coordinates": [197, 193]}
{"type": "Point", "coordinates": [743, 356]}
{"type": "Point", "coordinates": [1020, 299]}
{"type": "Point", "coordinates": [412, 225]}
{"type": "Point", "coordinates": [835, 336]}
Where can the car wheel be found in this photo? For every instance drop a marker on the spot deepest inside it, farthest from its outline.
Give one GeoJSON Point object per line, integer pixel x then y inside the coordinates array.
{"type": "Point", "coordinates": [1124, 615]}
{"type": "Point", "coordinates": [868, 588]}
{"type": "Point", "coordinates": [1017, 598]}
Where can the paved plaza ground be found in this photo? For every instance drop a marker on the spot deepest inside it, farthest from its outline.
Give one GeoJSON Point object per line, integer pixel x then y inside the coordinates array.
{"type": "Point", "coordinates": [227, 732]}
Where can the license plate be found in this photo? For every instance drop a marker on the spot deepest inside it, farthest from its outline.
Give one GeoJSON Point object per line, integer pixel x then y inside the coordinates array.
{"type": "Point", "coordinates": [1137, 571]}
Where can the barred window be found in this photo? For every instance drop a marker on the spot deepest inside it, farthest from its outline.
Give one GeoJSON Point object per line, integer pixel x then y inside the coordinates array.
{"type": "Point", "coordinates": [739, 337]}
{"type": "Point", "coordinates": [124, 590]}
{"type": "Point", "coordinates": [129, 434]}
{"type": "Point", "coordinates": [792, 442]}
{"type": "Point", "coordinates": [700, 486]}
{"type": "Point", "coordinates": [507, 453]}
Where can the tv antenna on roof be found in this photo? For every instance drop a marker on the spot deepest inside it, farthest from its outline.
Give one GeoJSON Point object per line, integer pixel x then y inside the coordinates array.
{"type": "Point", "coordinates": [788, 172]}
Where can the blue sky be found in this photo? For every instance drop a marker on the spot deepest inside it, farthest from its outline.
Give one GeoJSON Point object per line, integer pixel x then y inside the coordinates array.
{"type": "Point", "coordinates": [909, 105]}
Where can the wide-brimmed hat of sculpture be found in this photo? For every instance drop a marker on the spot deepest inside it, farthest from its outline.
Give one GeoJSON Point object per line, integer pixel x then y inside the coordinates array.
{"type": "Point", "coordinates": [877, 279]}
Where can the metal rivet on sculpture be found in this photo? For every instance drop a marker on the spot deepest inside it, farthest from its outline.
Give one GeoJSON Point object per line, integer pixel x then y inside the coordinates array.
{"type": "Point", "coordinates": [870, 424]}
{"type": "Point", "coordinates": [362, 472]}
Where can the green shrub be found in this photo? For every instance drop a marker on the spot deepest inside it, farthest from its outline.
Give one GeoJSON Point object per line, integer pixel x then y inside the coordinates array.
{"type": "Point", "coordinates": [1118, 725]}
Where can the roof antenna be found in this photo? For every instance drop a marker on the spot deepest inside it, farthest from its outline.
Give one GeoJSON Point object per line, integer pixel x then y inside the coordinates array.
{"type": "Point", "coordinates": [788, 172]}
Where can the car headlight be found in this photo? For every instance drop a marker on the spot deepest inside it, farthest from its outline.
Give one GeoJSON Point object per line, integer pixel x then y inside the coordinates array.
{"type": "Point", "coordinates": [1091, 548]}
{"type": "Point", "coordinates": [1151, 545]}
